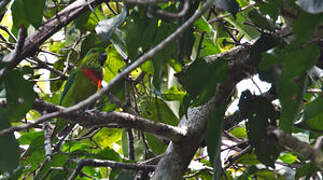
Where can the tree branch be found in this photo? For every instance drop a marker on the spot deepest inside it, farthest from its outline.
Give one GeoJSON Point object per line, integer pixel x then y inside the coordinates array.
{"type": "Point", "coordinates": [12, 57]}
{"type": "Point", "coordinates": [107, 163]}
{"type": "Point", "coordinates": [293, 144]}
{"type": "Point", "coordinates": [174, 164]}
{"type": "Point", "coordinates": [178, 15]}
{"type": "Point", "coordinates": [90, 119]}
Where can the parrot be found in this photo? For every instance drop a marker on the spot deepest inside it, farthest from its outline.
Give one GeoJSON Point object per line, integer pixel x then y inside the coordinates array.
{"type": "Point", "coordinates": [84, 81]}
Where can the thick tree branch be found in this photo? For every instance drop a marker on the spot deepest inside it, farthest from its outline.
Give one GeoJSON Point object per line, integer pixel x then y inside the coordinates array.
{"type": "Point", "coordinates": [179, 154]}
{"type": "Point", "coordinates": [90, 119]}
{"type": "Point", "coordinates": [293, 144]}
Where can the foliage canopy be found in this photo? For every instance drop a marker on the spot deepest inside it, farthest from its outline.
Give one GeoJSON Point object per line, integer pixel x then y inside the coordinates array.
{"type": "Point", "coordinates": [170, 77]}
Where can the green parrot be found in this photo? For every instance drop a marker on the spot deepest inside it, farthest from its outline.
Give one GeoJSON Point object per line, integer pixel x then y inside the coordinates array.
{"type": "Point", "coordinates": [84, 81]}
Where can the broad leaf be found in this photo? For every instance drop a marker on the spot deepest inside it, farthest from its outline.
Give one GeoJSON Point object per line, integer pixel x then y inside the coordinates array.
{"type": "Point", "coordinates": [157, 110]}
{"type": "Point", "coordinates": [107, 137]}
{"type": "Point", "coordinates": [88, 20]}
{"type": "Point", "coordinates": [9, 154]}
{"type": "Point", "coordinates": [288, 158]}
{"type": "Point", "coordinates": [173, 94]}
{"type": "Point", "coordinates": [271, 8]}
{"type": "Point", "coordinates": [155, 144]}
{"type": "Point", "coordinates": [213, 137]}
{"type": "Point", "coordinates": [25, 12]}
{"type": "Point", "coordinates": [20, 96]}
{"type": "Point", "coordinates": [194, 79]}
{"type": "Point", "coordinates": [305, 20]}
{"type": "Point", "coordinates": [292, 83]}
{"type": "Point", "coordinates": [138, 23]}
{"type": "Point", "coordinates": [307, 170]}
{"type": "Point", "coordinates": [313, 114]}
{"type": "Point", "coordinates": [239, 23]}
{"type": "Point", "coordinates": [261, 21]}
{"type": "Point", "coordinates": [261, 114]}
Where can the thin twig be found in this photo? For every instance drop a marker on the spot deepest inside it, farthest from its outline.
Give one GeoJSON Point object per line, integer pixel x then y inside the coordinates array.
{"type": "Point", "coordinates": [110, 8]}
{"type": "Point", "coordinates": [12, 57]}
{"type": "Point", "coordinates": [229, 14]}
{"type": "Point", "coordinates": [42, 64]}
{"type": "Point", "coordinates": [235, 158]}
{"type": "Point", "coordinates": [178, 15]}
{"type": "Point", "coordinates": [107, 163]}
{"type": "Point", "coordinates": [8, 32]}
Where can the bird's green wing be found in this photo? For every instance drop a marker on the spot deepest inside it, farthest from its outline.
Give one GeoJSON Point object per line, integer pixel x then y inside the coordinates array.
{"type": "Point", "coordinates": [68, 86]}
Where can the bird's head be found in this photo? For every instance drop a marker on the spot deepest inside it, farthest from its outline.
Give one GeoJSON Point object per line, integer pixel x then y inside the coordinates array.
{"type": "Point", "coordinates": [95, 58]}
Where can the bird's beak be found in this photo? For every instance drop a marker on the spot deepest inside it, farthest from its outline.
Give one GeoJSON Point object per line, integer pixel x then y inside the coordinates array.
{"type": "Point", "coordinates": [103, 58]}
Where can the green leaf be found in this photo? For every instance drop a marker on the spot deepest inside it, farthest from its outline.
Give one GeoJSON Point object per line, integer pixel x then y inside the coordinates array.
{"type": "Point", "coordinates": [261, 114]}
{"type": "Point", "coordinates": [14, 175]}
{"type": "Point", "coordinates": [157, 110]}
{"type": "Point", "coordinates": [91, 171]}
{"type": "Point", "coordinates": [311, 6]}
{"type": "Point", "coordinates": [27, 138]}
{"type": "Point", "coordinates": [264, 43]}
{"type": "Point", "coordinates": [35, 153]}
{"type": "Point", "coordinates": [9, 154]}
{"type": "Point", "coordinates": [161, 59]}
{"type": "Point", "coordinates": [306, 170]}
{"type": "Point", "coordinates": [108, 154]}
{"type": "Point", "coordinates": [248, 159]}
{"type": "Point", "coordinates": [57, 160]}
{"type": "Point", "coordinates": [313, 114]}
{"type": "Point", "coordinates": [239, 132]}
{"type": "Point", "coordinates": [155, 144]}
{"type": "Point", "coordinates": [271, 8]}
{"type": "Point", "coordinates": [292, 82]}
{"type": "Point", "coordinates": [288, 158]}
{"type": "Point", "coordinates": [20, 95]}
{"type": "Point", "coordinates": [139, 23]}
{"type": "Point", "coordinates": [113, 65]}
{"type": "Point", "coordinates": [249, 32]}
{"type": "Point", "coordinates": [213, 135]}
{"type": "Point", "coordinates": [193, 79]}
{"type": "Point", "coordinates": [77, 146]}
{"type": "Point", "coordinates": [107, 137]}
{"type": "Point", "coordinates": [209, 47]}
{"type": "Point", "coordinates": [309, 21]}
{"type": "Point", "coordinates": [202, 25]}
{"type": "Point", "coordinates": [125, 175]}
{"type": "Point", "coordinates": [27, 12]}
{"type": "Point", "coordinates": [56, 85]}
{"type": "Point", "coordinates": [88, 21]}
{"type": "Point", "coordinates": [124, 143]}
{"type": "Point", "coordinates": [228, 5]}
{"type": "Point", "coordinates": [185, 42]}
{"type": "Point", "coordinates": [261, 21]}
{"type": "Point", "coordinates": [173, 94]}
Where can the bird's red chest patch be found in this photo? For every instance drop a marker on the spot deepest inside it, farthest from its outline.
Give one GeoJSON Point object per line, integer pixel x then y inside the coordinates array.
{"type": "Point", "coordinates": [94, 76]}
